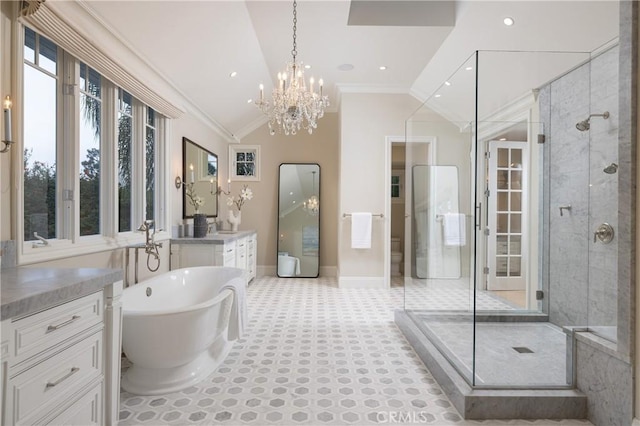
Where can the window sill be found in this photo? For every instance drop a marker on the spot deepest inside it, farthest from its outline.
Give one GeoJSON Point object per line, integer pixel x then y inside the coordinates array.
{"type": "Point", "coordinates": [57, 250]}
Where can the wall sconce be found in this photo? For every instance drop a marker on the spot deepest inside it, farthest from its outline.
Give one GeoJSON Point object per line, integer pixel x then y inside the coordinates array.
{"type": "Point", "coordinates": [179, 183]}
{"type": "Point", "coordinates": [6, 108]}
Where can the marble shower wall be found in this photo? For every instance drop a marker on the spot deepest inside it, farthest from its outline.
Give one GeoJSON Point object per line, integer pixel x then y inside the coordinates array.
{"type": "Point", "coordinates": [582, 280]}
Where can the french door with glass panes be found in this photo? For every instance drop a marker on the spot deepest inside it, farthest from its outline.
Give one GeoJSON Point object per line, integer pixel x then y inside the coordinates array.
{"type": "Point", "coordinates": [507, 218]}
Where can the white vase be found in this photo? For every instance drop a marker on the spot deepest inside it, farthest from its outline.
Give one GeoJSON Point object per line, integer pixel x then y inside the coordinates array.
{"type": "Point", "coordinates": [234, 219]}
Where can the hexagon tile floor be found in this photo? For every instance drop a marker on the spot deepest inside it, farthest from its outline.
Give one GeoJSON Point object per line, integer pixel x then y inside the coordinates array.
{"type": "Point", "coordinates": [313, 354]}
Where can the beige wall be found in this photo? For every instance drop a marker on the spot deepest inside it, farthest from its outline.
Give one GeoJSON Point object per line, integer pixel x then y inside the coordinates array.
{"type": "Point", "coordinates": [371, 118]}
{"type": "Point", "coordinates": [190, 127]}
{"type": "Point", "coordinates": [261, 212]}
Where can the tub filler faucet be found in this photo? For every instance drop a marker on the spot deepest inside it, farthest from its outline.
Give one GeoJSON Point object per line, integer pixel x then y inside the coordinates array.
{"type": "Point", "coordinates": [150, 245]}
{"type": "Point", "coordinates": [150, 248]}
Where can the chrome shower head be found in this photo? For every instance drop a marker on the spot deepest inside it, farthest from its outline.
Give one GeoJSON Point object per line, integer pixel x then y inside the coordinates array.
{"type": "Point", "coordinates": [611, 169]}
{"type": "Point", "coordinates": [585, 125]}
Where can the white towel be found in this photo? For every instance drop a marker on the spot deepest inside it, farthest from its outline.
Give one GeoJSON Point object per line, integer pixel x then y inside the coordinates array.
{"type": "Point", "coordinates": [361, 230]}
{"type": "Point", "coordinates": [239, 316]}
{"type": "Point", "coordinates": [297, 266]}
{"type": "Point", "coordinates": [454, 229]}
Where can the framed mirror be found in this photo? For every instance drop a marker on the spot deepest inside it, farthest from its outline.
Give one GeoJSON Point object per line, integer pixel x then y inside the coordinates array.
{"type": "Point", "coordinates": [299, 220]}
{"type": "Point", "coordinates": [200, 168]}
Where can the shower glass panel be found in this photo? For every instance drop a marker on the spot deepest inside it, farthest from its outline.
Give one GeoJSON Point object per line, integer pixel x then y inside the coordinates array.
{"type": "Point", "coordinates": [439, 290]}
{"type": "Point", "coordinates": [435, 196]}
{"type": "Point", "coordinates": [504, 134]}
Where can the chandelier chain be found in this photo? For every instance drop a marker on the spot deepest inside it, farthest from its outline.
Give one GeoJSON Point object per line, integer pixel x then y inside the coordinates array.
{"type": "Point", "coordinates": [294, 52]}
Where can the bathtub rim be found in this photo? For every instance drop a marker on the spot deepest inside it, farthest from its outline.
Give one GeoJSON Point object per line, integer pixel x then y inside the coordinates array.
{"type": "Point", "coordinates": [220, 297]}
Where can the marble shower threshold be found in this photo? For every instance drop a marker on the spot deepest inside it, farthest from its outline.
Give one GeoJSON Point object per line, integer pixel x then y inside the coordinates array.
{"type": "Point", "coordinates": [481, 404]}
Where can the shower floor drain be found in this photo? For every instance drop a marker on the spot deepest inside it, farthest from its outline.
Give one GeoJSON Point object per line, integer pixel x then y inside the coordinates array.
{"type": "Point", "coordinates": [522, 350]}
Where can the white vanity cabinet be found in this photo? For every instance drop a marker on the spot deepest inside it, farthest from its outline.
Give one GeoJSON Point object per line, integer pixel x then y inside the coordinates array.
{"type": "Point", "coordinates": [252, 246]}
{"type": "Point", "coordinates": [61, 364]}
{"type": "Point", "coordinates": [234, 250]}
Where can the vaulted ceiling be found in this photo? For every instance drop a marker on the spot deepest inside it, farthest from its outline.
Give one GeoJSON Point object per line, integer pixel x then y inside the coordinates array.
{"type": "Point", "coordinates": [196, 45]}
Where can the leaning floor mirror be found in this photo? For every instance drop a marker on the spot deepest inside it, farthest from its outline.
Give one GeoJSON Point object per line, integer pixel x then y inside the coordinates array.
{"type": "Point", "coordinates": [299, 220]}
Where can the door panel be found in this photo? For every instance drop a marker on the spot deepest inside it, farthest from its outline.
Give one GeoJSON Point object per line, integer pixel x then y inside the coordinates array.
{"type": "Point", "coordinates": [506, 222]}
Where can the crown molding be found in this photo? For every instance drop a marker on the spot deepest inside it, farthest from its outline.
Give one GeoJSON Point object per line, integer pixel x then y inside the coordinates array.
{"type": "Point", "coordinates": [111, 41]}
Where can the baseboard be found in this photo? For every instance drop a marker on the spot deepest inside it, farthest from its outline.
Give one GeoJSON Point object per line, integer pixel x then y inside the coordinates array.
{"type": "Point", "coordinates": [271, 271]}
{"type": "Point", "coordinates": [329, 271]}
{"type": "Point", "coordinates": [266, 271]}
{"type": "Point", "coordinates": [362, 282]}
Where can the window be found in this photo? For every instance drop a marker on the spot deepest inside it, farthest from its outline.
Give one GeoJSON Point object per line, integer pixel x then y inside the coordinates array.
{"type": "Point", "coordinates": [90, 135]}
{"type": "Point", "coordinates": [244, 162]}
{"type": "Point", "coordinates": [397, 186]}
{"type": "Point", "coordinates": [125, 120]}
{"type": "Point", "coordinates": [40, 138]}
{"type": "Point", "coordinates": [150, 162]}
{"type": "Point", "coordinates": [83, 165]}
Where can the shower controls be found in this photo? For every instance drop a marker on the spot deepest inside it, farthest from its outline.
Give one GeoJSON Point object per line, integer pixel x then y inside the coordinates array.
{"type": "Point", "coordinates": [604, 233]}
{"type": "Point", "coordinates": [563, 208]}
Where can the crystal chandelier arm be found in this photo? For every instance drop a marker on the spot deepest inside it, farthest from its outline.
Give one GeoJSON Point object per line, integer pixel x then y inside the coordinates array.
{"type": "Point", "coordinates": [293, 107]}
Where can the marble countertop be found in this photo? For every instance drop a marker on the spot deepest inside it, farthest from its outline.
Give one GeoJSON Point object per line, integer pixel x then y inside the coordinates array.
{"type": "Point", "coordinates": [220, 237]}
{"type": "Point", "coordinates": [25, 290]}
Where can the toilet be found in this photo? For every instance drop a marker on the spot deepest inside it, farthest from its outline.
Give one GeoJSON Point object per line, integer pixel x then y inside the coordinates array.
{"type": "Point", "coordinates": [396, 256]}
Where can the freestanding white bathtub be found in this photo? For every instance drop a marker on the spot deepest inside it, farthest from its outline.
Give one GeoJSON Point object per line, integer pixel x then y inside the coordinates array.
{"type": "Point", "coordinates": [176, 327]}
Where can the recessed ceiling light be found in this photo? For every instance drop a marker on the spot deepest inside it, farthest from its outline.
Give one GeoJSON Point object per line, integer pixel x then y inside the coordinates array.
{"type": "Point", "coordinates": [249, 101]}
{"type": "Point", "coordinates": [345, 67]}
{"type": "Point", "coordinates": [503, 139]}
{"type": "Point", "coordinates": [233, 74]}
{"type": "Point", "coordinates": [383, 68]}
{"type": "Point", "coordinates": [468, 68]}
{"type": "Point", "coordinates": [438, 95]}
{"type": "Point", "coordinates": [307, 67]}
{"type": "Point", "coordinates": [508, 21]}
{"type": "Point", "coordinates": [291, 193]}
{"type": "Point", "coordinates": [446, 83]}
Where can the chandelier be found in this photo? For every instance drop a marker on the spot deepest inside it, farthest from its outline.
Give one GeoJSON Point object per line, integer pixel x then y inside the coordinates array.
{"type": "Point", "coordinates": [312, 205]}
{"type": "Point", "coordinates": [294, 106]}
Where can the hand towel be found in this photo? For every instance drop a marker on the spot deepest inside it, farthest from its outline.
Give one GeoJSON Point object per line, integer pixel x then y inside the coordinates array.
{"type": "Point", "coordinates": [297, 266]}
{"type": "Point", "coordinates": [454, 229]}
{"type": "Point", "coordinates": [361, 230]}
{"type": "Point", "coordinates": [239, 315]}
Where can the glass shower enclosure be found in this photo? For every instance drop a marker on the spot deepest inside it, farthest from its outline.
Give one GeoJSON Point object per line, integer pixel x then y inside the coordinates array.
{"type": "Point", "coordinates": [507, 199]}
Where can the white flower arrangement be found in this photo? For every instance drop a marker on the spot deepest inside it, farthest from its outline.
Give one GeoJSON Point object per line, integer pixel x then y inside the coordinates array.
{"type": "Point", "coordinates": [245, 195]}
{"type": "Point", "coordinates": [194, 199]}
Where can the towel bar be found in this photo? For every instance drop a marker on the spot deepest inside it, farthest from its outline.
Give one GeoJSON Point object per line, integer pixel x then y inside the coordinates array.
{"type": "Point", "coordinates": [375, 214]}
{"type": "Point", "coordinates": [441, 216]}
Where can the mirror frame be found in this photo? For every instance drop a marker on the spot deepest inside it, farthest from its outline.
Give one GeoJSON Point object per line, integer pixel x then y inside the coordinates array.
{"type": "Point", "coordinates": [319, 214]}
{"type": "Point", "coordinates": [185, 202]}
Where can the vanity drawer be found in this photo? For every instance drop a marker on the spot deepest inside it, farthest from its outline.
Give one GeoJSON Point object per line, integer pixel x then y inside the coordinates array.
{"type": "Point", "coordinates": [40, 389]}
{"type": "Point", "coordinates": [86, 411]}
{"type": "Point", "coordinates": [43, 330]}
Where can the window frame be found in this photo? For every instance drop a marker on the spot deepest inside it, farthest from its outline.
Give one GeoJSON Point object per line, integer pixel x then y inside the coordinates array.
{"type": "Point", "coordinates": [400, 174]}
{"type": "Point", "coordinates": [240, 149]}
{"type": "Point", "coordinates": [68, 241]}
